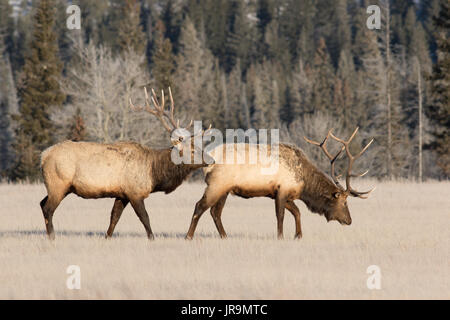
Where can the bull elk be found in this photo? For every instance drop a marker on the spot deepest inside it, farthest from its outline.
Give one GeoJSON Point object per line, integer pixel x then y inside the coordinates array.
{"type": "Point", "coordinates": [126, 171]}
{"type": "Point", "coordinates": [296, 178]}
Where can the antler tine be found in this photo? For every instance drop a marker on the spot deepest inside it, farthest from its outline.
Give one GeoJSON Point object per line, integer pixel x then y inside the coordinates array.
{"type": "Point", "coordinates": [364, 149]}
{"type": "Point", "coordinates": [156, 102]}
{"type": "Point", "coordinates": [172, 104]}
{"type": "Point", "coordinates": [159, 109]}
{"type": "Point", "coordinates": [140, 108]}
{"type": "Point", "coordinates": [311, 141]}
{"type": "Point", "coordinates": [359, 175]}
{"type": "Point", "coordinates": [170, 114]}
{"type": "Point", "coordinates": [323, 146]}
{"type": "Point", "coordinates": [133, 107]}
{"type": "Point", "coordinates": [353, 135]}
{"type": "Point", "coordinates": [361, 194]}
{"type": "Point", "coordinates": [351, 160]}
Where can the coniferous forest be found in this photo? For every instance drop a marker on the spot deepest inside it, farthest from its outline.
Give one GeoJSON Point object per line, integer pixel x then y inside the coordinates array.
{"type": "Point", "coordinates": [301, 66]}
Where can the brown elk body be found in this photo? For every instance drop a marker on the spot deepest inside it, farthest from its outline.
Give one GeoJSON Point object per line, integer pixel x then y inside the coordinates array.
{"type": "Point", "coordinates": [126, 171]}
{"type": "Point", "coordinates": [296, 178]}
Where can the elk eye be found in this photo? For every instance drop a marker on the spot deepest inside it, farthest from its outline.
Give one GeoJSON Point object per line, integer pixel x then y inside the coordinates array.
{"type": "Point", "coordinates": [336, 195]}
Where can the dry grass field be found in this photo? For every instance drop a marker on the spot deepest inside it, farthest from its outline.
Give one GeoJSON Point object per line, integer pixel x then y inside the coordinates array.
{"type": "Point", "coordinates": [403, 228]}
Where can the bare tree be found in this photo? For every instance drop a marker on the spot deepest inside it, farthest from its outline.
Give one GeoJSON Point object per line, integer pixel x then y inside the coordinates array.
{"type": "Point", "coordinates": [100, 85]}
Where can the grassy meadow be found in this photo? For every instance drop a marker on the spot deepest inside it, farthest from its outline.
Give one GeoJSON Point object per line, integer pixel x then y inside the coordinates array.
{"type": "Point", "coordinates": [403, 228]}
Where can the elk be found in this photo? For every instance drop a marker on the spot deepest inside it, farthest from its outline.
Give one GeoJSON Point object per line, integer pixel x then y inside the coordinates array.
{"type": "Point", "coordinates": [126, 171]}
{"type": "Point", "coordinates": [296, 178]}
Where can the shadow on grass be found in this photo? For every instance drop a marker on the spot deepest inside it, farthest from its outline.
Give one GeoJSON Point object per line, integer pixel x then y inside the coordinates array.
{"type": "Point", "coordinates": [101, 234]}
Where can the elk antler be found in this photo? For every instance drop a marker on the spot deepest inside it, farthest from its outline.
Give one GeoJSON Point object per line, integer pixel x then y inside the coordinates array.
{"type": "Point", "coordinates": [323, 146]}
{"type": "Point", "coordinates": [351, 160]}
{"type": "Point", "coordinates": [159, 111]}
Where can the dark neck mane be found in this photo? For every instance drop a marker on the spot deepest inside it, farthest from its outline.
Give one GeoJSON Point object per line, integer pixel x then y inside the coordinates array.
{"type": "Point", "coordinates": [167, 176]}
{"type": "Point", "coordinates": [318, 189]}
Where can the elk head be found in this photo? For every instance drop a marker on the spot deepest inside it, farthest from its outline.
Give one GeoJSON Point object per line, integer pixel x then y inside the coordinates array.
{"type": "Point", "coordinates": [337, 200]}
{"type": "Point", "coordinates": [181, 138]}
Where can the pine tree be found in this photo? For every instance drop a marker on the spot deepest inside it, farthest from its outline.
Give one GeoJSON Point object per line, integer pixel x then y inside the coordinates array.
{"type": "Point", "coordinates": [323, 79]}
{"type": "Point", "coordinates": [439, 109]}
{"type": "Point", "coordinates": [234, 91]}
{"type": "Point", "coordinates": [333, 25]}
{"type": "Point", "coordinates": [95, 21]}
{"type": "Point", "coordinates": [6, 27]}
{"type": "Point", "coordinates": [291, 25]}
{"type": "Point", "coordinates": [171, 17]}
{"type": "Point", "coordinates": [416, 40]}
{"type": "Point", "coordinates": [236, 43]}
{"type": "Point", "coordinates": [5, 126]}
{"type": "Point", "coordinates": [265, 96]}
{"type": "Point", "coordinates": [21, 38]}
{"type": "Point", "coordinates": [8, 105]}
{"type": "Point", "coordinates": [215, 26]}
{"type": "Point", "coordinates": [196, 90]}
{"type": "Point", "coordinates": [343, 94]}
{"type": "Point", "coordinates": [427, 10]}
{"type": "Point", "coordinates": [265, 14]}
{"type": "Point", "coordinates": [163, 59]}
{"type": "Point", "coordinates": [305, 49]}
{"type": "Point", "coordinates": [5, 137]}
{"type": "Point", "coordinates": [296, 93]}
{"type": "Point", "coordinates": [39, 93]}
{"type": "Point", "coordinates": [129, 33]}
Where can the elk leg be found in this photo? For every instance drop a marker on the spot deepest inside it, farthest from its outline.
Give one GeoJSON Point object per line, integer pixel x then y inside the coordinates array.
{"type": "Point", "coordinates": [139, 208]}
{"type": "Point", "coordinates": [48, 206]}
{"type": "Point", "coordinates": [210, 197]}
{"type": "Point", "coordinates": [116, 212]}
{"type": "Point", "coordinates": [200, 207]}
{"type": "Point", "coordinates": [280, 203]}
{"type": "Point", "coordinates": [290, 205]}
{"type": "Point", "coordinates": [216, 213]}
